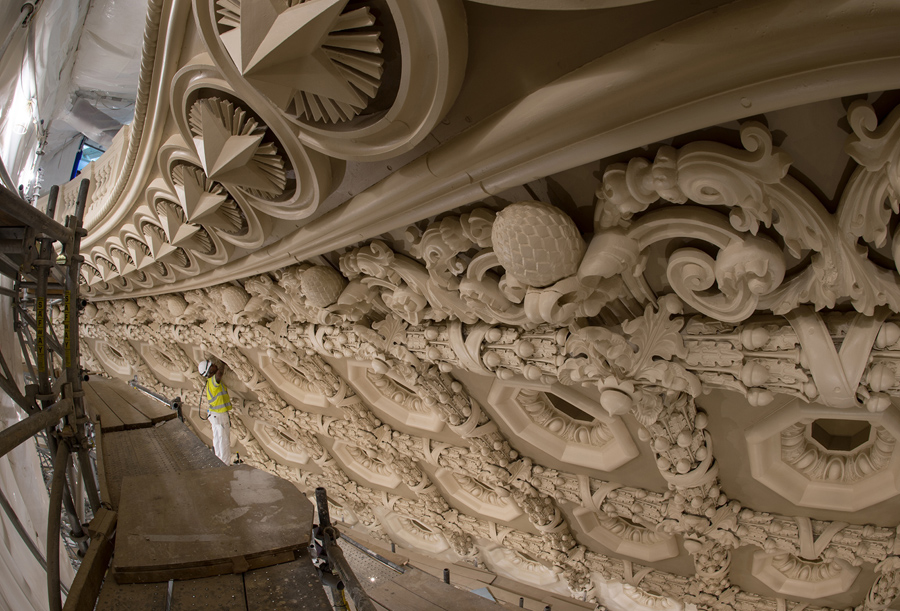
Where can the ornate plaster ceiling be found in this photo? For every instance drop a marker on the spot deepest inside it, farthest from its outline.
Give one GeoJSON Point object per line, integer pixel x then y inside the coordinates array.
{"type": "Point", "coordinates": [632, 339]}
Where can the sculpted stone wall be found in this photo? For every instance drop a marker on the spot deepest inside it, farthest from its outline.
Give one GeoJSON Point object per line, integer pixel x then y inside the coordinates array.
{"type": "Point", "coordinates": [517, 294]}
{"type": "Point", "coordinates": [481, 364]}
{"type": "Point", "coordinates": [376, 470]}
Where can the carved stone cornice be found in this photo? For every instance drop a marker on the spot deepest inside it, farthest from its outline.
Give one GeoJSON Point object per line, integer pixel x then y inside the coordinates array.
{"type": "Point", "coordinates": [515, 293]}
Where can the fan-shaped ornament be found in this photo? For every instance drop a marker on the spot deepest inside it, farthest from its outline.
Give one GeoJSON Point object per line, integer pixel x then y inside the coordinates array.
{"type": "Point", "coordinates": [311, 59]}
{"type": "Point", "coordinates": [232, 148]}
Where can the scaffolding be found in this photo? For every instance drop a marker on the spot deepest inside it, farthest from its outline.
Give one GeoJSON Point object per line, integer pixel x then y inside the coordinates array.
{"type": "Point", "coordinates": [52, 398]}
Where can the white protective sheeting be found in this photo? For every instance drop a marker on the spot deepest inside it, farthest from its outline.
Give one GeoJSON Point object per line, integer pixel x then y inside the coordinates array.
{"type": "Point", "coordinates": [109, 53]}
{"type": "Point", "coordinates": [100, 95]}
{"type": "Point", "coordinates": [23, 583]}
{"type": "Point", "coordinates": [36, 69]}
{"type": "Point", "coordinates": [79, 63]}
{"type": "Point", "coordinates": [105, 75]}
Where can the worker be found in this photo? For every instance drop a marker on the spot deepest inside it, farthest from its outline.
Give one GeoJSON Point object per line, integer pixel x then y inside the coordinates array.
{"type": "Point", "coordinates": [219, 404]}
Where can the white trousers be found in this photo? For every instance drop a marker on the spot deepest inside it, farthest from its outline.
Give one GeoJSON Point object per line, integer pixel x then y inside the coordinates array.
{"type": "Point", "coordinates": [221, 430]}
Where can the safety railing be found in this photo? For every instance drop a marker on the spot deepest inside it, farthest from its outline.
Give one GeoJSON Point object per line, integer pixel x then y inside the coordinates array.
{"type": "Point", "coordinates": [334, 570]}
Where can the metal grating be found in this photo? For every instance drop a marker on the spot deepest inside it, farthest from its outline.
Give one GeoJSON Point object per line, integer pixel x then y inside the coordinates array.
{"type": "Point", "coordinates": [370, 571]}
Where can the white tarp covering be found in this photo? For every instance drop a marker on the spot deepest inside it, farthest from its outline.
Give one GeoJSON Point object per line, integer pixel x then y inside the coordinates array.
{"type": "Point", "coordinates": [37, 61]}
{"type": "Point", "coordinates": [76, 68]}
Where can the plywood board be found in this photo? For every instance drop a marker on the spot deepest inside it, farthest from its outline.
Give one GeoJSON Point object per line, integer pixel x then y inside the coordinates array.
{"type": "Point", "coordinates": [99, 411]}
{"type": "Point", "coordinates": [293, 585]}
{"type": "Point", "coordinates": [150, 408]}
{"type": "Point", "coordinates": [131, 418]}
{"type": "Point", "coordinates": [415, 590]}
{"type": "Point", "coordinates": [226, 519]}
{"type": "Point", "coordinates": [395, 597]}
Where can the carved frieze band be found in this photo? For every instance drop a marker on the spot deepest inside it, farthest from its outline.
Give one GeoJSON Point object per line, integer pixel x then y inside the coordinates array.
{"type": "Point", "coordinates": [695, 507]}
{"type": "Point", "coordinates": [519, 294]}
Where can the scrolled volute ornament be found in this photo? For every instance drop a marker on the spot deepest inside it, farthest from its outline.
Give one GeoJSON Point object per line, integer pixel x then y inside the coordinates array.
{"type": "Point", "coordinates": [754, 185]}
{"type": "Point", "coordinates": [743, 270]}
{"type": "Point", "coordinates": [877, 150]}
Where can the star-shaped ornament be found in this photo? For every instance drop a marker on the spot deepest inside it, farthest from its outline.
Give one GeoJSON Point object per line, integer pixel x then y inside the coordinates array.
{"type": "Point", "coordinates": [160, 249]}
{"type": "Point", "coordinates": [196, 201]}
{"type": "Point", "coordinates": [178, 232]}
{"type": "Point", "coordinates": [229, 158]}
{"type": "Point", "coordinates": [279, 49]}
{"type": "Point", "coordinates": [122, 260]}
{"type": "Point", "coordinates": [91, 275]}
{"type": "Point", "coordinates": [141, 257]}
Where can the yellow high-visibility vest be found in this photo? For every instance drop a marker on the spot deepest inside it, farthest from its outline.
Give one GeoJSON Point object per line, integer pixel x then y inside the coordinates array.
{"type": "Point", "coordinates": [217, 396]}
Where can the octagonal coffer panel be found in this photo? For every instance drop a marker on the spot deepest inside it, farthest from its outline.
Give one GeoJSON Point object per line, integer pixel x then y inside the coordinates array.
{"type": "Point", "coordinates": [827, 458]}
{"type": "Point", "coordinates": [412, 533]}
{"type": "Point", "coordinates": [477, 496]}
{"type": "Point", "coordinates": [368, 468]}
{"type": "Point", "coordinates": [392, 398]}
{"type": "Point", "coordinates": [625, 537]}
{"type": "Point", "coordinates": [794, 576]}
{"type": "Point", "coordinates": [590, 439]}
{"type": "Point", "coordinates": [280, 445]}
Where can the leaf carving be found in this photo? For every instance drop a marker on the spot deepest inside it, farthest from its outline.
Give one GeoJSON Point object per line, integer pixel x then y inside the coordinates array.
{"type": "Point", "coordinates": [392, 329]}
{"type": "Point", "coordinates": [655, 334]}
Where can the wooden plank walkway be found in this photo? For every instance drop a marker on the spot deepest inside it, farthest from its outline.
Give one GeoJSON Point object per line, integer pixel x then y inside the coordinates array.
{"type": "Point", "coordinates": [206, 522]}
{"type": "Point", "coordinates": [416, 590]}
{"type": "Point", "coordinates": [292, 586]}
{"type": "Point", "coordinates": [121, 407]}
{"type": "Point", "coordinates": [402, 587]}
{"type": "Point", "coordinates": [144, 455]}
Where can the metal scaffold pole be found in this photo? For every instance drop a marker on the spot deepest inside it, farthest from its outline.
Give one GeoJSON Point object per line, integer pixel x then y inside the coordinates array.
{"type": "Point", "coordinates": [333, 557]}
{"type": "Point", "coordinates": [71, 341]}
{"type": "Point", "coordinates": [54, 401]}
{"type": "Point", "coordinates": [56, 500]}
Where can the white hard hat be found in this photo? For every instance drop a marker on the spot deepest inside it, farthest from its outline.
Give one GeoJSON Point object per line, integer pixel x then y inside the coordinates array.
{"type": "Point", "coordinates": [204, 367]}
